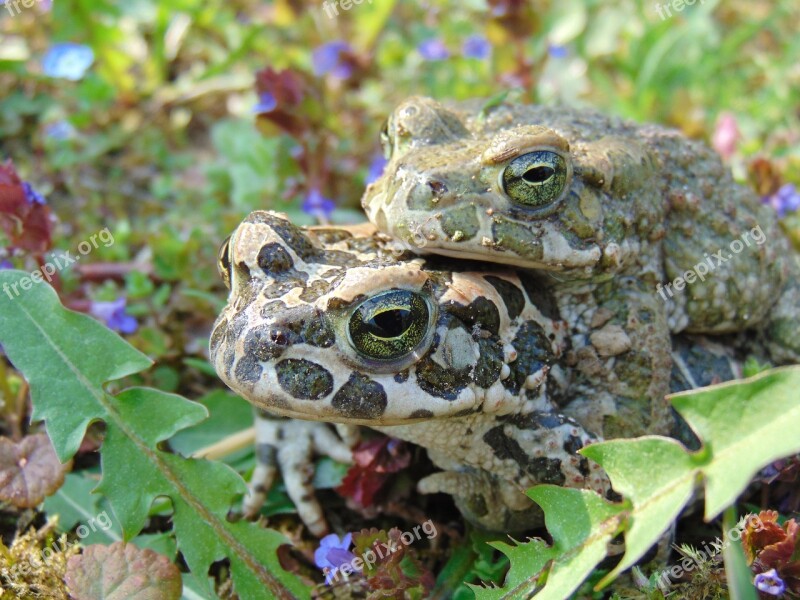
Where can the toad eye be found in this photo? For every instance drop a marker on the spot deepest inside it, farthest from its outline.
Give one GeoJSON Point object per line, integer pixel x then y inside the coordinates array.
{"type": "Point", "coordinates": [389, 326]}
{"type": "Point", "coordinates": [224, 262]}
{"type": "Point", "coordinates": [536, 179]}
{"type": "Point", "coordinates": [387, 144]}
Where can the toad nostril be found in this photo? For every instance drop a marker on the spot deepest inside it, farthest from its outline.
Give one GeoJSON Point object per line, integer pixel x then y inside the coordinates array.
{"type": "Point", "coordinates": [438, 188]}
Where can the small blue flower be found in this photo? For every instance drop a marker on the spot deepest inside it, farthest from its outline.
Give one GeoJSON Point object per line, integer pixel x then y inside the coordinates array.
{"type": "Point", "coordinates": [318, 205]}
{"type": "Point", "coordinates": [31, 195]}
{"type": "Point", "coordinates": [114, 316]}
{"type": "Point", "coordinates": [770, 583]}
{"type": "Point", "coordinates": [376, 168]}
{"type": "Point", "coordinates": [556, 51]}
{"type": "Point", "coordinates": [786, 199]}
{"type": "Point", "coordinates": [60, 130]}
{"type": "Point", "coordinates": [327, 59]}
{"type": "Point", "coordinates": [433, 49]}
{"type": "Point", "coordinates": [333, 553]}
{"type": "Point", "coordinates": [6, 264]}
{"type": "Point", "coordinates": [476, 46]}
{"type": "Point", "coordinates": [67, 61]}
{"type": "Point", "coordinates": [266, 103]}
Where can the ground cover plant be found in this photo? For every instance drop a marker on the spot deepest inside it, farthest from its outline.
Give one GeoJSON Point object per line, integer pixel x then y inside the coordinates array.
{"type": "Point", "coordinates": [135, 136]}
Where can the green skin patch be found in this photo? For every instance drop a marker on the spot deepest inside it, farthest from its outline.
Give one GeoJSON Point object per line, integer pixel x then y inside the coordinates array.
{"type": "Point", "coordinates": [517, 238]}
{"type": "Point", "coordinates": [461, 224]}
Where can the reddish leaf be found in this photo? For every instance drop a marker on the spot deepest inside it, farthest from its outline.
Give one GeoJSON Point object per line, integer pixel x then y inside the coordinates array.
{"type": "Point", "coordinates": [287, 89]}
{"type": "Point", "coordinates": [389, 567]}
{"type": "Point", "coordinates": [29, 471]}
{"type": "Point", "coordinates": [122, 571]}
{"type": "Point", "coordinates": [373, 461]}
{"type": "Point", "coordinates": [774, 547]}
{"type": "Point", "coordinates": [760, 532]}
{"type": "Point", "coordinates": [27, 224]}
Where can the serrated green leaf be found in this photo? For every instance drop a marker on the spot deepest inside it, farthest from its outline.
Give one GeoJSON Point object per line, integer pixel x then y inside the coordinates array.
{"type": "Point", "coordinates": [657, 477]}
{"type": "Point", "coordinates": [64, 355]}
{"type": "Point", "coordinates": [746, 425]}
{"type": "Point", "coordinates": [67, 358]}
{"type": "Point", "coordinates": [581, 524]}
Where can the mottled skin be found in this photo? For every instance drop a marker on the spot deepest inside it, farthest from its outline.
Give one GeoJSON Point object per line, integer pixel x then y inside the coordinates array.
{"type": "Point", "coordinates": [324, 324]}
{"type": "Point", "coordinates": [603, 211]}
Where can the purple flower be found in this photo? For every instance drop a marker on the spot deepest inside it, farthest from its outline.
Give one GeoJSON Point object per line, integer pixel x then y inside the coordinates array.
{"type": "Point", "coordinates": [770, 583]}
{"type": "Point", "coordinates": [5, 264]}
{"type": "Point", "coordinates": [433, 49]}
{"type": "Point", "coordinates": [376, 168]}
{"type": "Point", "coordinates": [476, 46]}
{"type": "Point", "coordinates": [266, 103]}
{"type": "Point", "coordinates": [786, 199]}
{"type": "Point", "coordinates": [556, 51]}
{"type": "Point", "coordinates": [333, 553]}
{"type": "Point", "coordinates": [327, 59]}
{"type": "Point", "coordinates": [318, 205]}
{"type": "Point", "coordinates": [67, 61]}
{"type": "Point", "coordinates": [31, 195]}
{"type": "Point", "coordinates": [60, 130]}
{"type": "Point", "coordinates": [114, 316]}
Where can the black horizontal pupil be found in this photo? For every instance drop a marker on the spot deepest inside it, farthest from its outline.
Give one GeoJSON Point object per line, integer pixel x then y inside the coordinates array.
{"type": "Point", "coordinates": [538, 174]}
{"type": "Point", "coordinates": [389, 323]}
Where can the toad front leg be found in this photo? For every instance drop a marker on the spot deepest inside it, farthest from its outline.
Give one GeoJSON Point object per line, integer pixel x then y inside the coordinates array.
{"type": "Point", "coordinates": [288, 445]}
{"type": "Point", "coordinates": [489, 461]}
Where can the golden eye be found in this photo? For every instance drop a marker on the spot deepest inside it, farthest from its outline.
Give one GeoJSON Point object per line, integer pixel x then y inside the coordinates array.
{"type": "Point", "coordinates": [390, 325]}
{"type": "Point", "coordinates": [536, 179]}
{"type": "Point", "coordinates": [224, 262]}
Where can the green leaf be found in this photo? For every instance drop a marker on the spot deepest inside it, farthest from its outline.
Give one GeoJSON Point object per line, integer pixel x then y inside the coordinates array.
{"type": "Point", "coordinates": [76, 504]}
{"type": "Point", "coordinates": [746, 425]}
{"type": "Point", "coordinates": [657, 477]}
{"type": "Point", "coordinates": [64, 355]}
{"type": "Point", "coordinates": [737, 571]}
{"type": "Point", "coordinates": [743, 426]}
{"type": "Point", "coordinates": [581, 524]}
{"type": "Point", "coordinates": [67, 358]}
{"type": "Point", "coordinates": [229, 414]}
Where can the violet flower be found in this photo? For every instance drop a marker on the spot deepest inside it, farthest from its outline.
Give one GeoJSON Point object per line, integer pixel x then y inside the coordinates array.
{"type": "Point", "coordinates": [114, 316]}
{"type": "Point", "coordinates": [333, 553]}
{"type": "Point", "coordinates": [318, 205]}
{"type": "Point", "coordinates": [785, 200]}
{"type": "Point", "coordinates": [67, 61]}
{"type": "Point", "coordinates": [476, 46]}
{"type": "Point", "coordinates": [327, 59]}
{"type": "Point", "coordinates": [770, 583]}
{"type": "Point", "coordinates": [433, 50]}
